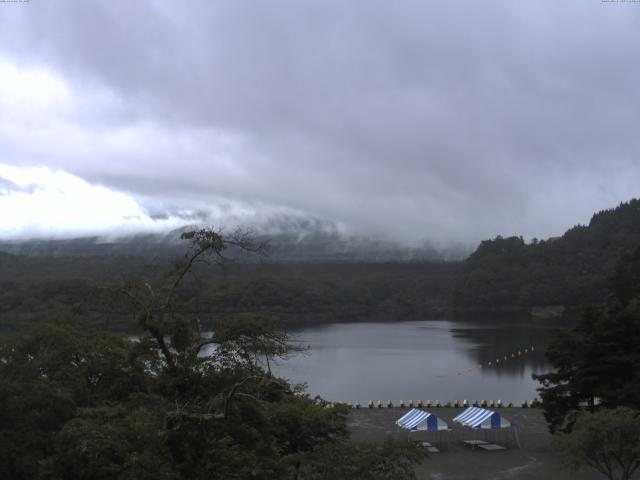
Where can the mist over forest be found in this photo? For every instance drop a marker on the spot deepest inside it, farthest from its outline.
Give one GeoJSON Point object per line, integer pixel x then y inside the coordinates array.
{"type": "Point", "coordinates": [325, 277]}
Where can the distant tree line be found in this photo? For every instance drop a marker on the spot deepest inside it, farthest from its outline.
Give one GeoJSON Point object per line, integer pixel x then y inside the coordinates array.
{"type": "Point", "coordinates": [569, 271]}
{"type": "Point", "coordinates": [33, 287]}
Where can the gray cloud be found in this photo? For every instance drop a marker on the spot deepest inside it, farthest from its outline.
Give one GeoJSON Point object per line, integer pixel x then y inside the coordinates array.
{"type": "Point", "coordinates": [413, 120]}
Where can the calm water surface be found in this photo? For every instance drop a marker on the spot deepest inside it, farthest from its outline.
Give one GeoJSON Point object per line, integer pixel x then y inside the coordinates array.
{"type": "Point", "coordinates": [428, 360]}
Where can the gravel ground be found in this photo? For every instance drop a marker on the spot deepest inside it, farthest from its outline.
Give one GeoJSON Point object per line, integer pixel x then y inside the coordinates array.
{"type": "Point", "coordinates": [534, 459]}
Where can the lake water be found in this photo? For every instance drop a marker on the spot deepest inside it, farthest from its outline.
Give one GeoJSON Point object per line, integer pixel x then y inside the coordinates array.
{"type": "Point", "coordinates": [427, 360]}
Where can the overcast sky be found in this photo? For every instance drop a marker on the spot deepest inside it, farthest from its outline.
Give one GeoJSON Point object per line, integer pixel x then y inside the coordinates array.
{"type": "Point", "coordinates": [413, 120]}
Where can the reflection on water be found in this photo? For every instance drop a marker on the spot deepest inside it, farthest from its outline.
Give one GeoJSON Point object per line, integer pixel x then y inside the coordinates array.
{"type": "Point", "coordinates": [428, 360]}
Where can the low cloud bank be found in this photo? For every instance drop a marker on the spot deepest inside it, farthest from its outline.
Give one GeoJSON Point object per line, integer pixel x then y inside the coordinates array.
{"type": "Point", "coordinates": [38, 202]}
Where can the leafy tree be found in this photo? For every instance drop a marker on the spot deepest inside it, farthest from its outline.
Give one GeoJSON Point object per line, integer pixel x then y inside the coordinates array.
{"type": "Point", "coordinates": [180, 402]}
{"type": "Point", "coordinates": [390, 460]}
{"type": "Point", "coordinates": [598, 362]}
{"type": "Point", "coordinates": [48, 377]}
{"type": "Point", "coordinates": [607, 441]}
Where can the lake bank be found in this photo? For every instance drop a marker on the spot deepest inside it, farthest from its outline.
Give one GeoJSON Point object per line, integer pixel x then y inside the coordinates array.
{"type": "Point", "coordinates": [535, 459]}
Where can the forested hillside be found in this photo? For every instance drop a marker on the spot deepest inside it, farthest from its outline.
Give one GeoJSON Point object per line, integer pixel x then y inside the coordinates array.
{"type": "Point", "coordinates": [571, 270]}
{"type": "Point", "coordinates": [34, 287]}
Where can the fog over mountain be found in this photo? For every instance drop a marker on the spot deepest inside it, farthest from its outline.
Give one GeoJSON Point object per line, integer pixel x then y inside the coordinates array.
{"type": "Point", "coordinates": [438, 123]}
{"type": "Point", "coordinates": [285, 239]}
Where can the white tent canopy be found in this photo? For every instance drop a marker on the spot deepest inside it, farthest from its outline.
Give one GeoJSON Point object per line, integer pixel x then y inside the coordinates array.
{"type": "Point", "coordinates": [417, 419]}
{"type": "Point", "coordinates": [476, 417]}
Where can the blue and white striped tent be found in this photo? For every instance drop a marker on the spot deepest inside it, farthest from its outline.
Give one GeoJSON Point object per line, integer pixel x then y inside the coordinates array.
{"type": "Point", "coordinates": [476, 417]}
{"type": "Point", "coordinates": [421, 420]}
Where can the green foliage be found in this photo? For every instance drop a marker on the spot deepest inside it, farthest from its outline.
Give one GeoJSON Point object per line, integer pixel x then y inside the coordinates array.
{"type": "Point", "coordinates": [48, 377]}
{"type": "Point", "coordinates": [36, 287]}
{"type": "Point", "coordinates": [391, 460]}
{"type": "Point", "coordinates": [176, 403]}
{"type": "Point", "coordinates": [607, 440]}
{"type": "Point", "coordinates": [570, 270]}
{"type": "Point", "coordinates": [112, 442]}
{"type": "Point", "coordinates": [100, 406]}
{"type": "Point", "coordinates": [598, 362]}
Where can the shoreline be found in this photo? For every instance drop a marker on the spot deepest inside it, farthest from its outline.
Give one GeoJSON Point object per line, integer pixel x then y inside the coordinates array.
{"type": "Point", "coordinates": [534, 460]}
